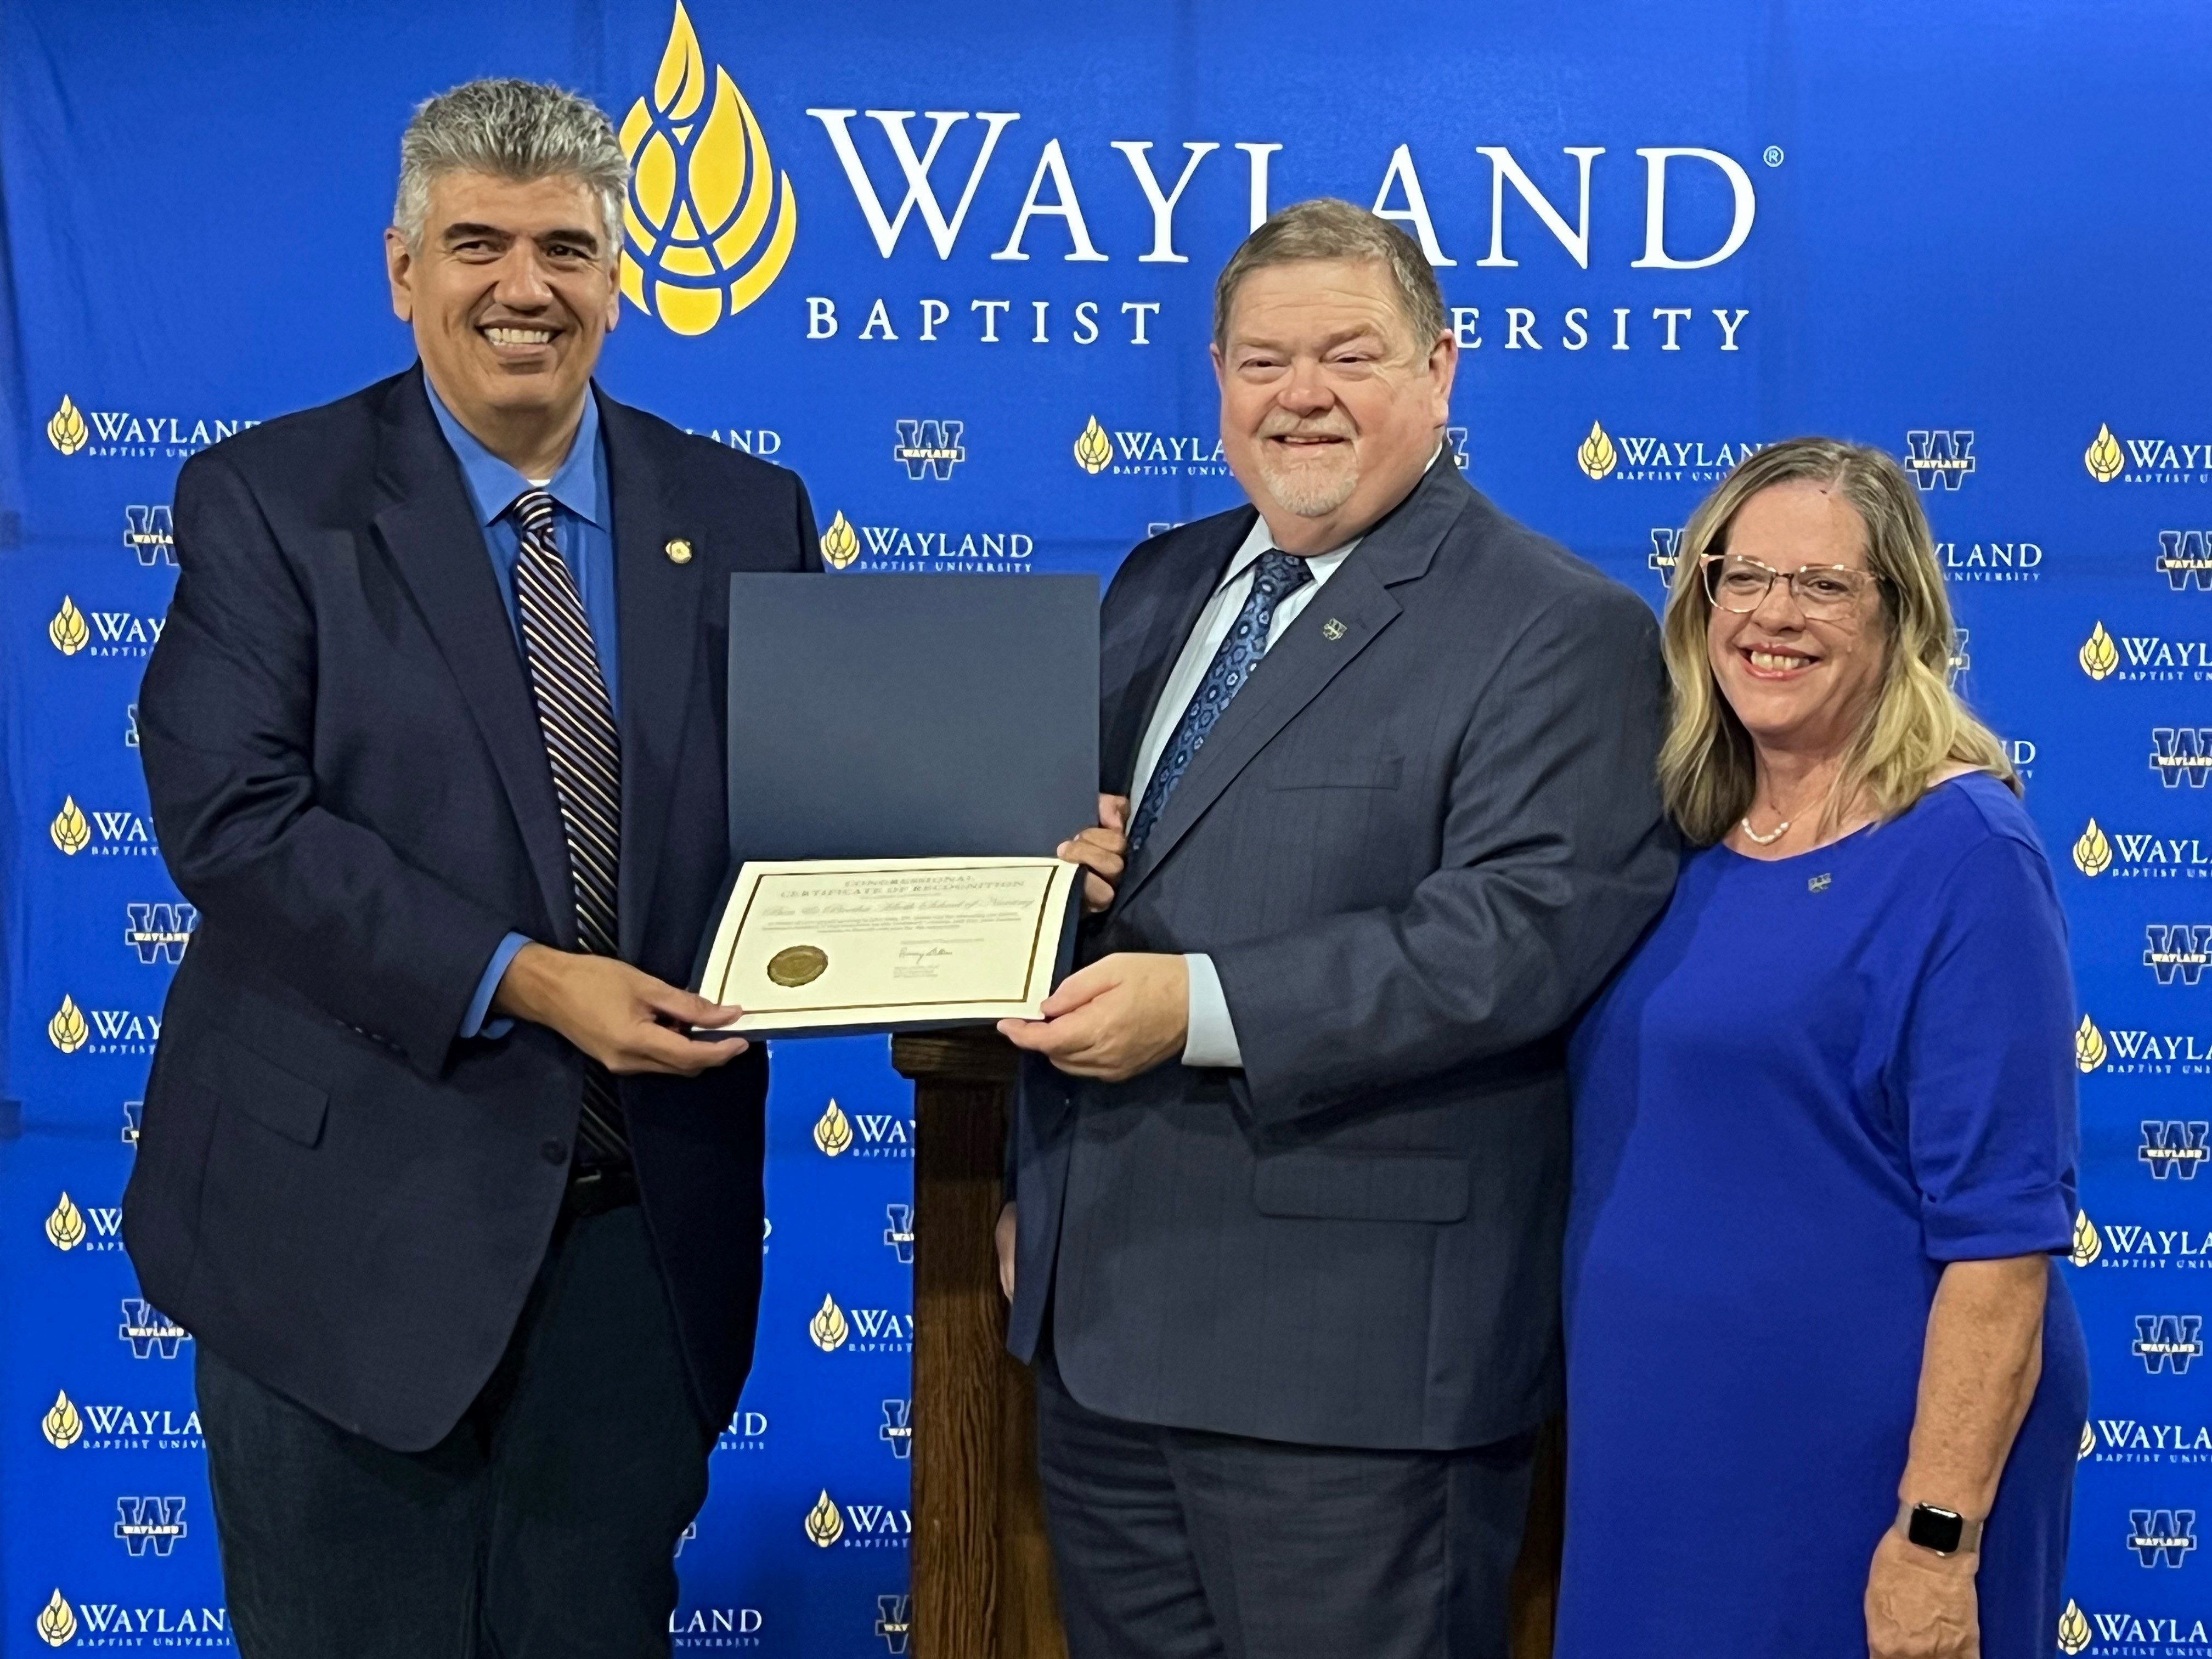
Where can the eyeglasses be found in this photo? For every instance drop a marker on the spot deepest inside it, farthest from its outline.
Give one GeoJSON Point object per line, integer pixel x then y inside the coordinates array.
{"type": "Point", "coordinates": [1826, 593]}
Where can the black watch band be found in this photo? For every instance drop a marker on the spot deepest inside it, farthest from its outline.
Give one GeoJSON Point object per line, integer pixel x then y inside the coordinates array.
{"type": "Point", "coordinates": [1947, 1532]}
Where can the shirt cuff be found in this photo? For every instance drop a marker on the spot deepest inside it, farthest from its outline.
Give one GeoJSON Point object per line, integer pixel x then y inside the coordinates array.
{"type": "Point", "coordinates": [472, 1022]}
{"type": "Point", "coordinates": [1211, 1040]}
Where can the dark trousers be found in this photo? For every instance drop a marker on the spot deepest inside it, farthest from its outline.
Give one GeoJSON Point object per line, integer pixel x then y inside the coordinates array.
{"type": "Point", "coordinates": [1177, 1544]}
{"type": "Point", "coordinates": [544, 1524]}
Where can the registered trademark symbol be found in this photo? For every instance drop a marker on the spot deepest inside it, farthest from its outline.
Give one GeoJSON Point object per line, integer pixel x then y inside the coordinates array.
{"type": "Point", "coordinates": [1772, 155]}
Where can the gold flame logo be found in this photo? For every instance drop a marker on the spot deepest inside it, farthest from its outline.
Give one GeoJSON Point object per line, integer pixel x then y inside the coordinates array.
{"type": "Point", "coordinates": [701, 191]}
{"type": "Point", "coordinates": [2088, 1045]}
{"type": "Point", "coordinates": [1093, 448]}
{"type": "Point", "coordinates": [57, 1622]}
{"type": "Point", "coordinates": [2093, 854]}
{"type": "Point", "coordinates": [2088, 1246]}
{"type": "Point", "coordinates": [841, 544]}
{"type": "Point", "coordinates": [2073, 1629]}
{"type": "Point", "coordinates": [1597, 456]}
{"type": "Point", "coordinates": [68, 630]}
{"type": "Point", "coordinates": [2103, 456]}
{"type": "Point", "coordinates": [833, 1130]}
{"type": "Point", "coordinates": [825, 1525]}
{"type": "Point", "coordinates": [68, 830]}
{"type": "Point", "coordinates": [66, 430]}
{"type": "Point", "coordinates": [828, 1326]}
{"type": "Point", "coordinates": [2088, 1441]}
{"type": "Point", "coordinates": [67, 1031]}
{"type": "Point", "coordinates": [61, 1424]}
{"type": "Point", "coordinates": [65, 1225]}
{"type": "Point", "coordinates": [2098, 656]}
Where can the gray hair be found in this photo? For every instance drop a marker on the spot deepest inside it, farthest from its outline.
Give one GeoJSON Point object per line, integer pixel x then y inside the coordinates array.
{"type": "Point", "coordinates": [1330, 229]}
{"type": "Point", "coordinates": [520, 130]}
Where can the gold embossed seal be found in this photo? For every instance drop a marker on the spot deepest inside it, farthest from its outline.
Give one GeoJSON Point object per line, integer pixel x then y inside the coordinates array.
{"type": "Point", "coordinates": [798, 964]}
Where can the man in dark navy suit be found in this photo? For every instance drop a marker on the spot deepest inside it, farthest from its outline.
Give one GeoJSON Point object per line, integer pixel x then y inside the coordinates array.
{"type": "Point", "coordinates": [467, 1227]}
{"type": "Point", "coordinates": [1290, 1193]}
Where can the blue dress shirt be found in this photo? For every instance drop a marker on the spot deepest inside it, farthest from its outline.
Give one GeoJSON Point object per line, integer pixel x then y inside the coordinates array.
{"type": "Point", "coordinates": [583, 527]}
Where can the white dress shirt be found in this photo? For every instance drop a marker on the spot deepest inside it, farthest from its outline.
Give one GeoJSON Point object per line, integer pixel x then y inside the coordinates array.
{"type": "Point", "coordinates": [1211, 1040]}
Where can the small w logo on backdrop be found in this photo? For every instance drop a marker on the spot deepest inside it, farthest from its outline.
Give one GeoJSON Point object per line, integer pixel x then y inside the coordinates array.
{"type": "Point", "coordinates": [929, 449]}
{"type": "Point", "coordinates": [149, 1331]}
{"type": "Point", "coordinates": [897, 1431]}
{"type": "Point", "coordinates": [2182, 949]}
{"type": "Point", "coordinates": [2162, 1536]}
{"type": "Point", "coordinates": [1939, 456]}
{"type": "Point", "coordinates": [148, 532]}
{"type": "Point", "coordinates": [2183, 558]}
{"type": "Point", "coordinates": [160, 932]}
{"type": "Point", "coordinates": [156, 1521]}
{"type": "Point", "coordinates": [2167, 1341]}
{"type": "Point", "coordinates": [2173, 1148]}
{"type": "Point", "coordinates": [1961, 662]}
{"type": "Point", "coordinates": [891, 1622]}
{"type": "Point", "coordinates": [2181, 751]}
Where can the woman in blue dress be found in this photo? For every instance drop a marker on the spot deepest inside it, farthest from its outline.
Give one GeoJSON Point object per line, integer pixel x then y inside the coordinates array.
{"type": "Point", "coordinates": [1824, 1386]}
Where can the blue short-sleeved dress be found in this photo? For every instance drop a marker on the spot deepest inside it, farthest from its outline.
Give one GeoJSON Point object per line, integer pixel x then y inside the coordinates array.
{"type": "Point", "coordinates": [1819, 1080]}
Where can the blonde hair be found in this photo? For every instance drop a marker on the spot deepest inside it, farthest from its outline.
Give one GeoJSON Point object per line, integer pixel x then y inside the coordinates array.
{"type": "Point", "coordinates": [1915, 725]}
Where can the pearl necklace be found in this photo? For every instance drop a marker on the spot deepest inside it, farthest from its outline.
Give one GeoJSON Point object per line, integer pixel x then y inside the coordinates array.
{"type": "Point", "coordinates": [1768, 839]}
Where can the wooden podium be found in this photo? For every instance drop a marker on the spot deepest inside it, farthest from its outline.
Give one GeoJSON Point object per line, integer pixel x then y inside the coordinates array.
{"type": "Point", "coordinates": [982, 1584]}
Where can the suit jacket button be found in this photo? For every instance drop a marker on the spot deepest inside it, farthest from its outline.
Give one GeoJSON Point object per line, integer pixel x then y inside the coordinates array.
{"type": "Point", "coordinates": [554, 1152]}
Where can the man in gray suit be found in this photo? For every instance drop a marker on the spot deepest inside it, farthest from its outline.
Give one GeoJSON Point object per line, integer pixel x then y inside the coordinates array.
{"type": "Point", "coordinates": [1289, 1191]}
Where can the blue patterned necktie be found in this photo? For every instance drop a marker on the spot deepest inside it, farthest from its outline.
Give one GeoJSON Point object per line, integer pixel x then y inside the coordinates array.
{"type": "Point", "coordinates": [585, 751]}
{"type": "Point", "coordinates": [1279, 575]}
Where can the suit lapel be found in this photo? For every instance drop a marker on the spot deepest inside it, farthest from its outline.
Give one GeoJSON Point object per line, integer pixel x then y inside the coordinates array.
{"type": "Point", "coordinates": [1292, 673]}
{"type": "Point", "coordinates": [430, 532]}
{"type": "Point", "coordinates": [1337, 624]}
{"type": "Point", "coordinates": [1185, 586]}
{"type": "Point", "coordinates": [658, 601]}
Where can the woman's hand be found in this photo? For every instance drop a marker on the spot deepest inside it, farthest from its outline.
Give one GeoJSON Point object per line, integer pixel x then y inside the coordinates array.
{"type": "Point", "coordinates": [1978, 1373]}
{"type": "Point", "coordinates": [1920, 1605]}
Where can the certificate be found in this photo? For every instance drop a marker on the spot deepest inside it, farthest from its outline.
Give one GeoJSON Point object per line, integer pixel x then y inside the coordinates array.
{"type": "Point", "coordinates": [822, 945]}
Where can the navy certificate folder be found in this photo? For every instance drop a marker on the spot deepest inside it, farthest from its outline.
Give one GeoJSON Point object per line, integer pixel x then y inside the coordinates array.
{"type": "Point", "coordinates": [911, 716]}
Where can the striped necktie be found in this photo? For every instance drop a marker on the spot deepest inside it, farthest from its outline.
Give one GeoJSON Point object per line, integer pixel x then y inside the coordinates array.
{"type": "Point", "coordinates": [581, 744]}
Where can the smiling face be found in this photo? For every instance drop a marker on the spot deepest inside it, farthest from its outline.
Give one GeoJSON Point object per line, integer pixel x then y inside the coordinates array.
{"type": "Point", "coordinates": [1799, 683]}
{"type": "Point", "coordinates": [509, 295]}
{"type": "Point", "coordinates": [1330, 408]}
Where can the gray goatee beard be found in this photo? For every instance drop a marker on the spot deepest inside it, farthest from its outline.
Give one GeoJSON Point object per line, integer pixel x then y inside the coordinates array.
{"type": "Point", "coordinates": [1309, 497]}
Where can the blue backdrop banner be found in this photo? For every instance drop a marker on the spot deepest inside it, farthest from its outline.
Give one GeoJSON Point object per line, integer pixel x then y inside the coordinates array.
{"type": "Point", "coordinates": [953, 263]}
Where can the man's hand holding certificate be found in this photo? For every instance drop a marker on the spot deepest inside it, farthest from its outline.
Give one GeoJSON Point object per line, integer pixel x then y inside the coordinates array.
{"type": "Point", "coordinates": [1116, 1018]}
{"type": "Point", "coordinates": [1124, 1014]}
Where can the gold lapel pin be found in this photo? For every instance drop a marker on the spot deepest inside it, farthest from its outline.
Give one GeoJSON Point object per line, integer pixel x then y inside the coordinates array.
{"type": "Point", "coordinates": [1332, 629]}
{"type": "Point", "coordinates": [678, 550]}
